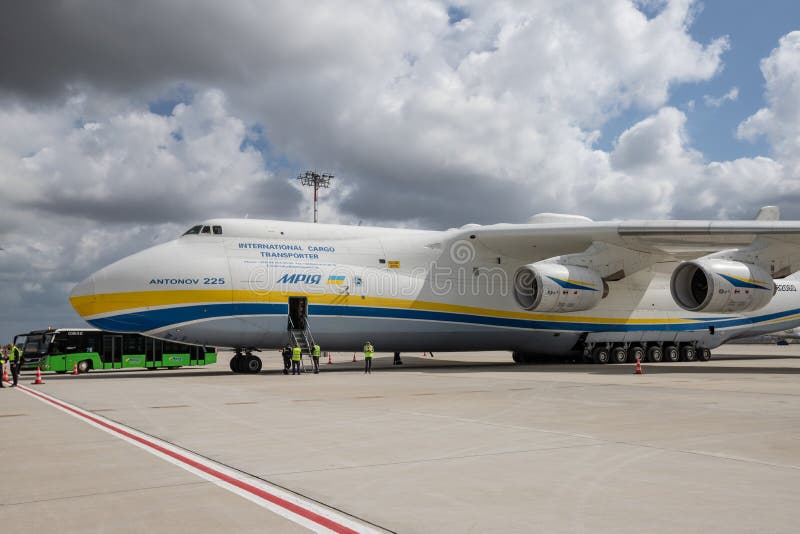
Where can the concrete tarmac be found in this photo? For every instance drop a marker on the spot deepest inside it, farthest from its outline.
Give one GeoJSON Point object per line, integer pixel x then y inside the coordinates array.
{"type": "Point", "coordinates": [456, 443]}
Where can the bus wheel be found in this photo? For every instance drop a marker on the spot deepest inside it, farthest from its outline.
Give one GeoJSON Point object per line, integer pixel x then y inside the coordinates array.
{"type": "Point", "coordinates": [84, 366]}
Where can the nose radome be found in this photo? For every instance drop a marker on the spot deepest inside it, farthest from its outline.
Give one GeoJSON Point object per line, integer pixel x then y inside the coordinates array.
{"type": "Point", "coordinates": [118, 287]}
{"type": "Point", "coordinates": [82, 297]}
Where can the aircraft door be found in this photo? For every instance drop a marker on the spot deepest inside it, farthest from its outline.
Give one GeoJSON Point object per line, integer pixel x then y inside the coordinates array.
{"type": "Point", "coordinates": [298, 311]}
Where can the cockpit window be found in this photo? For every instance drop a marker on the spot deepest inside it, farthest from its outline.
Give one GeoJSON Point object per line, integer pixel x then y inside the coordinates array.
{"type": "Point", "coordinates": [217, 230]}
{"type": "Point", "coordinates": [206, 230]}
{"type": "Point", "coordinates": [193, 230]}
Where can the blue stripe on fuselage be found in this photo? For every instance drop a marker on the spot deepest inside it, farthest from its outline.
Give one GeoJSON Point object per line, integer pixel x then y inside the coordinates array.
{"type": "Point", "coordinates": [156, 319]}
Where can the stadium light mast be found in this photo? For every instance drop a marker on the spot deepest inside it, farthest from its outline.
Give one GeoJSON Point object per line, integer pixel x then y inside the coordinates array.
{"type": "Point", "coordinates": [317, 181]}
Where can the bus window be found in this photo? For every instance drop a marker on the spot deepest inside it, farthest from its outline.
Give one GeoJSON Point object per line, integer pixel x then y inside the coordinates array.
{"type": "Point", "coordinates": [193, 230]}
{"type": "Point", "coordinates": [71, 342]}
{"type": "Point", "coordinates": [37, 344]}
{"type": "Point", "coordinates": [206, 230]}
{"type": "Point", "coordinates": [91, 342]}
{"type": "Point", "coordinates": [217, 230]}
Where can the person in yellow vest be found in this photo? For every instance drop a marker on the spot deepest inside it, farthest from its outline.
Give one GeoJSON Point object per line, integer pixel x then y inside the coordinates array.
{"type": "Point", "coordinates": [3, 361]}
{"type": "Point", "coordinates": [315, 356]}
{"type": "Point", "coordinates": [368, 351]}
{"type": "Point", "coordinates": [296, 360]}
{"type": "Point", "coordinates": [15, 359]}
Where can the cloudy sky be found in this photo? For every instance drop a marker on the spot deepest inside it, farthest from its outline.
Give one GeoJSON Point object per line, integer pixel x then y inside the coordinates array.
{"type": "Point", "coordinates": [122, 123]}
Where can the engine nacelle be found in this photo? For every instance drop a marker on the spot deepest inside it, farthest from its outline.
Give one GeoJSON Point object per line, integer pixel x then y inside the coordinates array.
{"type": "Point", "coordinates": [552, 287]}
{"type": "Point", "coordinates": [721, 286]}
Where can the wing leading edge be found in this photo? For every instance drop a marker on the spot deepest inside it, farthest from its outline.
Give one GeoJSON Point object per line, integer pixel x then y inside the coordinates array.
{"type": "Point", "coordinates": [632, 245]}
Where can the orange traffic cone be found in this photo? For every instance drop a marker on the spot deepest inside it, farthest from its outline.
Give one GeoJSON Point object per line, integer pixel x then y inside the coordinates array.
{"type": "Point", "coordinates": [638, 370]}
{"type": "Point", "coordinates": [354, 357]}
{"type": "Point", "coordinates": [5, 373]}
{"type": "Point", "coordinates": [330, 361]}
{"type": "Point", "coordinates": [75, 369]}
{"type": "Point", "coordinates": [38, 376]}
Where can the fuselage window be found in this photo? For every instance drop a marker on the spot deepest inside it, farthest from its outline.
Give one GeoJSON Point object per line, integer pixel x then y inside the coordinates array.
{"type": "Point", "coordinates": [217, 230]}
{"type": "Point", "coordinates": [193, 230]}
{"type": "Point", "coordinates": [206, 230]}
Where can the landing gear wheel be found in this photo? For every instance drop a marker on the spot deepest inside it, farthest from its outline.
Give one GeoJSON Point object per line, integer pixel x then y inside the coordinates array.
{"type": "Point", "coordinates": [688, 353]}
{"type": "Point", "coordinates": [703, 354]}
{"type": "Point", "coordinates": [636, 353]}
{"type": "Point", "coordinates": [654, 354]}
{"type": "Point", "coordinates": [600, 355]}
{"type": "Point", "coordinates": [238, 363]}
{"type": "Point", "coordinates": [84, 366]}
{"type": "Point", "coordinates": [619, 354]}
{"type": "Point", "coordinates": [671, 354]}
{"type": "Point", "coordinates": [252, 364]}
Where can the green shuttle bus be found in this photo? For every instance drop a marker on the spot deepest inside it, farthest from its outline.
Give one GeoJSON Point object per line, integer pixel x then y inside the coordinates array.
{"type": "Point", "coordinates": [60, 350]}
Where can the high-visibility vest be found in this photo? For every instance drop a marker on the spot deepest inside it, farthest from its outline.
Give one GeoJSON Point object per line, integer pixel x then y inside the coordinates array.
{"type": "Point", "coordinates": [296, 354]}
{"type": "Point", "coordinates": [368, 350]}
{"type": "Point", "coordinates": [316, 351]}
{"type": "Point", "coordinates": [13, 354]}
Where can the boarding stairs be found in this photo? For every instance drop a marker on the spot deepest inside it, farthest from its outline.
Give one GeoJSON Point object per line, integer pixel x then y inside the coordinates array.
{"type": "Point", "coordinates": [301, 337]}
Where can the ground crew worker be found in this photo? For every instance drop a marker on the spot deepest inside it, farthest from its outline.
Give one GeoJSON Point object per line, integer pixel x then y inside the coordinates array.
{"type": "Point", "coordinates": [15, 359]}
{"type": "Point", "coordinates": [368, 350]}
{"type": "Point", "coordinates": [397, 360]}
{"type": "Point", "coordinates": [287, 358]}
{"type": "Point", "coordinates": [296, 361]}
{"type": "Point", "coordinates": [3, 361]}
{"type": "Point", "coordinates": [315, 357]}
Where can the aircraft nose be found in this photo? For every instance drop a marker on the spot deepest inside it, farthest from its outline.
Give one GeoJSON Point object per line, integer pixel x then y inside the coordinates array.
{"type": "Point", "coordinates": [110, 298]}
{"type": "Point", "coordinates": [83, 297]}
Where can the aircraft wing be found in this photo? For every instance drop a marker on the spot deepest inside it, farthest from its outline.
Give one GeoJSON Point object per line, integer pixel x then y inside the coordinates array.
{"type": "Point", "coordinates": [773, 245]}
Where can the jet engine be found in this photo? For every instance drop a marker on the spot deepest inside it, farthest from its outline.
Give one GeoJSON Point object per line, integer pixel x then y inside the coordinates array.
{"type": "Point", "coordinates": [721, 286]}
{"type": "Point", "coordinates": [552, 287]}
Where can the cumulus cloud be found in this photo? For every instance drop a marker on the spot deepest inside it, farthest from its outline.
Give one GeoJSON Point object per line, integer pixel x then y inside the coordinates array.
{"type": "Point", "coordinates": [716, 101]}
{"type": "Point", "coordinates": [84, 188]}
{"type": "Point", "coordinates": [780, 120]}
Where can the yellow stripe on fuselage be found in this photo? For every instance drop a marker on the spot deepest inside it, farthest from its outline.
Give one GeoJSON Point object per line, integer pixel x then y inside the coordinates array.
{"type": "Point", "coordinates": [101, 304]}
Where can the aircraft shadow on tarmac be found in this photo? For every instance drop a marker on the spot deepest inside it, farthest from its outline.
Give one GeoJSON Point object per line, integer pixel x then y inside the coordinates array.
{"type": "Point", "coordinates": [440, 365]}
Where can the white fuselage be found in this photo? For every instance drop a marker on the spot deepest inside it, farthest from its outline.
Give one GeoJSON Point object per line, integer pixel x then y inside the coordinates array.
{"type": "Point", "coordinates": [404, 290]}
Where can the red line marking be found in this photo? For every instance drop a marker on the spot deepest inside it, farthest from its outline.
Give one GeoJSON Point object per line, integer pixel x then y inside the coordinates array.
{"type": "Point", "coordinates": [283, 503]}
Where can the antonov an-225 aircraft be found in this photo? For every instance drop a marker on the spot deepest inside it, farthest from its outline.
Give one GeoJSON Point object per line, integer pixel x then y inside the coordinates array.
{"type": "Point", "coordinates": [560, 285]}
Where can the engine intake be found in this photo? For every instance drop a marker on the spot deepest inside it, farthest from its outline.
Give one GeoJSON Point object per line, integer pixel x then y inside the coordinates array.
{"type": "Point", "coordinates": [721, 286]}
{"type": "Point", "coordinates": [552, 287]}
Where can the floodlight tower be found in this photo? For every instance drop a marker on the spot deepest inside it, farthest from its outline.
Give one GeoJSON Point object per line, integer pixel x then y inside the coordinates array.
{"type": "Point", "coordinates": [317, 181]}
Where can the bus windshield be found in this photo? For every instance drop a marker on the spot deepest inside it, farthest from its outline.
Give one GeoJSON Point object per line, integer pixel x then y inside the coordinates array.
{"type": "Point", "coordinates": [37, 344]}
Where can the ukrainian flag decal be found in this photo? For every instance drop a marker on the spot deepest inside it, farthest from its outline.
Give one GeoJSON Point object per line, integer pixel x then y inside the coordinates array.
{"type": "Point", "coordinates": [336, 280]}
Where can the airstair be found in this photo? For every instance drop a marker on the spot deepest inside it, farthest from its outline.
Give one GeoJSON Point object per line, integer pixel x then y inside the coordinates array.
{"type": "Point", "coordinates": [301, 337]}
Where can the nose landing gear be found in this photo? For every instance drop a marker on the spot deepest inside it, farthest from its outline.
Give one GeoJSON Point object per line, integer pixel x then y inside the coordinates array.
{"type": "Point", "coordinates": [246, 363]}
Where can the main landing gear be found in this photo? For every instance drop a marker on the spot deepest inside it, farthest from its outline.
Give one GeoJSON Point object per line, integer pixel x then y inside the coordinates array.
{"type": "Point", "coordinates": [653, 352]}
{"type": "Point", "coordinates": [245, 363]}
